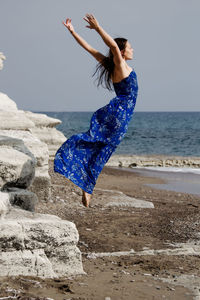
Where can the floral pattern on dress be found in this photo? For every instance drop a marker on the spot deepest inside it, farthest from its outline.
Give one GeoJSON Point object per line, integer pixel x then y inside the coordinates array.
{"type": "Point", "coordinates": [82, 157]}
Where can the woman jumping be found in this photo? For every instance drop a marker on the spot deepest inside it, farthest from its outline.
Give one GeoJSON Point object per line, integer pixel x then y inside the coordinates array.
{"type": "Point", "coordinates": [82, 157]}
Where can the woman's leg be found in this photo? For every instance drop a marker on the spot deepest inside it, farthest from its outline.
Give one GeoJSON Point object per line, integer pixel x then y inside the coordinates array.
{"type": "Point", "coordinates": [86, 198]}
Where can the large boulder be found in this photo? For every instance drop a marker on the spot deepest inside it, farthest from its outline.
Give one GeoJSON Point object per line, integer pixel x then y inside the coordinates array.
{"type": "Point", "coordinates": [36, 147]}
{"type": "Point", "coordinates": [41, 183]}
{"type": "Point", "coordinates": [22, 198]}
{"type": "Point", "coordinates": [17, 164]}
{"type": "Point", "coordinates": [38, 245]}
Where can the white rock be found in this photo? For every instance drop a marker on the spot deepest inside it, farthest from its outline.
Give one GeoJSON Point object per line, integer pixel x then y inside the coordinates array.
{"type": "Point", "coordinates": [42, 120]}
{"type": "Point", "coordinates": [4, 204]}
{"type": "Point", "coordinates": [37, 148]}
{"type": "Point", "coordinates": [26, 263]}
{"type": "Point", "coordinates": [41, 183]}
{"type": "Point", "coordinates": [36, 244]}
{"type": "Point", "coordinates": [15, 120]}
{"type": "Point", "coordinates": [6, 103]}
{"type": "Point", "coordinates": [16, 144]}
{"type": "Point", "coordinates": [16, 168]}
{"type": "Point", "coordinates": [123, 200]}
{"type": "Point", "coordinates": [22, 198]}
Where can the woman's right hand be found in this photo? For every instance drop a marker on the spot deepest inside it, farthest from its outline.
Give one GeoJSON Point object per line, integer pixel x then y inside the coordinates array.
{"type": "Point", "coordinates": [92, 21]}
{"type": "Point", "coordinates": [69, 25]}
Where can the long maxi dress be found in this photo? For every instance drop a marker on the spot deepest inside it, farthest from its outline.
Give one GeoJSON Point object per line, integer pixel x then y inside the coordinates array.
{"type": "Point", "coordinates": [82, 157]}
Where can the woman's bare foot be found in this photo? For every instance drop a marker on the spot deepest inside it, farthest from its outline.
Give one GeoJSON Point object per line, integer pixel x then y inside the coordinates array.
{"type": "Point", "coordinates": [86, 198]}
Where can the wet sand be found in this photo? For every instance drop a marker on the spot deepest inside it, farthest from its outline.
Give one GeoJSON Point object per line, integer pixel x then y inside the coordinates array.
{"type": "Point", "coordinates": [178, 181]}
{"type": "Point", "coordinates": [173, 221]}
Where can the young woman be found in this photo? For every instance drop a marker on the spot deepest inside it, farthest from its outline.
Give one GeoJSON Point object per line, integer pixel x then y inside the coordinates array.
{"type": "Point", "coordinates": [82, 157]}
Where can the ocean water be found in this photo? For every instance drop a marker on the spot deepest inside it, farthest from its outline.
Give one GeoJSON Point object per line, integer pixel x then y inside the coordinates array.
{"type": "Point", "coordinates": [168, 133]}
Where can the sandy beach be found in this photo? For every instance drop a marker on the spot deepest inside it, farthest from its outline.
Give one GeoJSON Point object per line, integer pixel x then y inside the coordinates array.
{"type": "Point", "coordinates": [128, 252]}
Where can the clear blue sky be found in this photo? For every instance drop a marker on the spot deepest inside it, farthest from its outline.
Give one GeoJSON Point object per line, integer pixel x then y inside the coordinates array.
{"type": "Point", "coordinates": [46, 70]}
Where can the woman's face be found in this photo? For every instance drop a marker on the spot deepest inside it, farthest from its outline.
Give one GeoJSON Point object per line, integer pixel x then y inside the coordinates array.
{"type": "Point", "coordinates": [128, 51]}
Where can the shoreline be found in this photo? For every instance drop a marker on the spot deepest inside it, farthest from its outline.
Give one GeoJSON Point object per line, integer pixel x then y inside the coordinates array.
{"type": "Point", "coordinates": [178, 181]}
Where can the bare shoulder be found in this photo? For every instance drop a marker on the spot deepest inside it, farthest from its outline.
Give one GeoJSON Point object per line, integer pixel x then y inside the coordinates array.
{"type": "Point", "coordinates": [120, 72]}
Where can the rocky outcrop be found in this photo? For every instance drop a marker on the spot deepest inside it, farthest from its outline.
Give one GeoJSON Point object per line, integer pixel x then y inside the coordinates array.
{"type": "Point", "coordinates": [38, 245]}
{"type": "Point", "coordinates": [152, 161]}
{"type": "Point", "coordinates": [38, 134]}
{"type": "Point", "coordinates": [30, 244]}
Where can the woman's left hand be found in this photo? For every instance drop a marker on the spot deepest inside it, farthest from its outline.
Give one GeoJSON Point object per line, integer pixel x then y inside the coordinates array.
{"type": "Point", "coordinates": [69, 25]}
{"type": "Point", "coordinates": [92, 21]}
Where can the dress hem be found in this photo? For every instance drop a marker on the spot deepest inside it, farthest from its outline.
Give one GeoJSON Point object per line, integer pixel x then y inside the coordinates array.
{"type": "Point", "coordinates": [77, 184]}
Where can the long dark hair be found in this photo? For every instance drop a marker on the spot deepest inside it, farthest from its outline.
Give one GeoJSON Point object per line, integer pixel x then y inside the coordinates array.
{"type": "Point", "coordinates": [105, 68]}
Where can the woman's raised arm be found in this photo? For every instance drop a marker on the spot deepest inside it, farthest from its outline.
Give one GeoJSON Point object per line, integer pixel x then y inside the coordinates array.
{"type": "Point", "coordinates": [96, 54]}
{"type": "Point", "coordinates": [108, 40]}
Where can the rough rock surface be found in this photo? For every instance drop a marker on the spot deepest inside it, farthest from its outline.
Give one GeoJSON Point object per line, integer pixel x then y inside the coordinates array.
{"type": "Point", "coordinates": [41, 182]}
{"type": "Point", "coordinates": [36, 147]}
{"type": "Point", "coordinates": [153, 161]}
{"type": "Point", "coordinates": [22, 198]}
{"type": "Point", "coordinates": [4, 204]}
{"type": "Point", "coordinates": [17, 165]}
{"type": "Point", "coordinates": [38, 245]}
{"type": "Point", "coordinates": [42, 120]}
{"type": "Point", "coordinates": [15, 120]}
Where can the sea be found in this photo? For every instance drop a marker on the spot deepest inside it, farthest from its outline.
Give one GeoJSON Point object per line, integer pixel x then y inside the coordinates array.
{"type": "Point", "coordinates": [167, 133]}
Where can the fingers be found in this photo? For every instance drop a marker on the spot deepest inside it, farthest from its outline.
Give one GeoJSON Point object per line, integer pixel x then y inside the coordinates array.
{"type": "Point", "coordinates": [68, 21]}
{"type": "Point", "coordinates": [89, 17]}
{"type": "Point", "coordinates": [86, 20]}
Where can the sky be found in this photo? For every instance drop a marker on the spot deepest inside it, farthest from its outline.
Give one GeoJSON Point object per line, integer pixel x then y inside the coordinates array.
{"type": "Point", "coordinates": [46, 70]}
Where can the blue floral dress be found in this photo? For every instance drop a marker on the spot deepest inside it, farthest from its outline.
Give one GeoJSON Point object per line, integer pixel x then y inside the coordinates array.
{"type": "Point", "coordinates": [82, 157]}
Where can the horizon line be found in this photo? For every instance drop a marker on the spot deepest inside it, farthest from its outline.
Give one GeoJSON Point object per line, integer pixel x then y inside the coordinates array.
{"type": "Point", "coordinates": [134, 112]}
